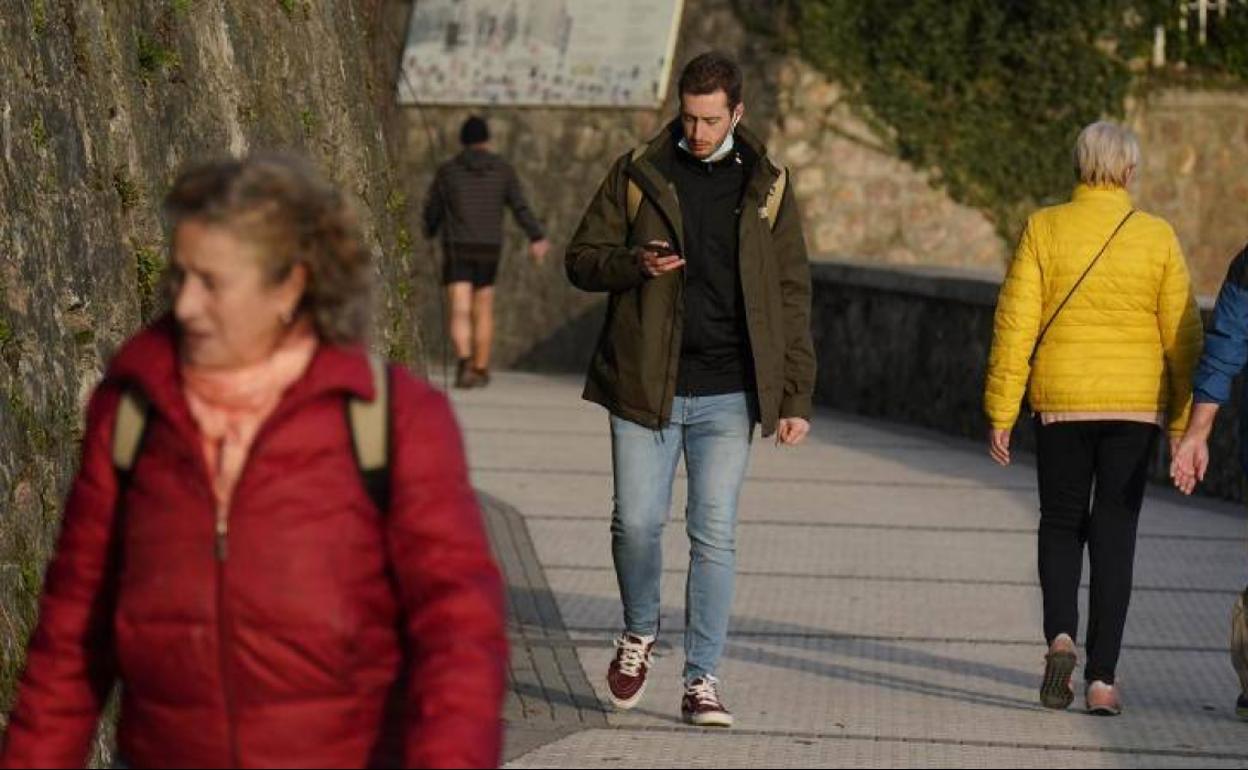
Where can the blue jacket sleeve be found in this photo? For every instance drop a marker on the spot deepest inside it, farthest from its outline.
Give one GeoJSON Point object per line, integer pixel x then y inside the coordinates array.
{"type": "Point", "coordinates": [1226, 346]}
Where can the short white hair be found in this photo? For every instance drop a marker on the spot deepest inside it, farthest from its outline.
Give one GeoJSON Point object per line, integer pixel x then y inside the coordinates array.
{"type": "Point", "coordinates": [1105, 154]}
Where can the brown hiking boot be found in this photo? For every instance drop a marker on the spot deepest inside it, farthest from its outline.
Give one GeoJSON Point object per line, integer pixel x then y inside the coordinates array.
{"type": "Point", "coordinates": [1056, 691]}
{"type": "Point", "coordinates": [701, 705]}
{"type": "Point", "coordinates": [626, 676]}
{"type": "Point", "coordinates": [466, 377]}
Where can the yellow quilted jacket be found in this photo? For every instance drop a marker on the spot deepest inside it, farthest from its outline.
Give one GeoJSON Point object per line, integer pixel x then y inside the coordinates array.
{"type": "Point", "coordinates": [1129, 338]}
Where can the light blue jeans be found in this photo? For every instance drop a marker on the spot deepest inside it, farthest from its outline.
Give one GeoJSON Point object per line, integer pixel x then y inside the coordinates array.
{"type": "Point", "coordinates": [714, 434]}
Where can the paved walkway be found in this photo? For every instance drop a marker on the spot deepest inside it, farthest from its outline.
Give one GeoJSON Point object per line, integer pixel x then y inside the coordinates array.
{"type": "Point", "coordinates": [886, 613]}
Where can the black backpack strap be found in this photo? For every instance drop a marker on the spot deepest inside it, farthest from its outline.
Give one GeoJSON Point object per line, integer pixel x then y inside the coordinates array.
{"type": "Point", "coordinates": [369, 423]}
{"type": "Point", "coordinates": [129, 430]}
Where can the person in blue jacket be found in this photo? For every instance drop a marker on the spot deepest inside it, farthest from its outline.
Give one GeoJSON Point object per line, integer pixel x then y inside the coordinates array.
{"type": "Point", "coordinates": [1224, 357]}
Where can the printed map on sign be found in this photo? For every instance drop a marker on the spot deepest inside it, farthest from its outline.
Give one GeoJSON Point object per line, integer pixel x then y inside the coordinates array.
{"type": "Point", "coordinates": [553, 52]}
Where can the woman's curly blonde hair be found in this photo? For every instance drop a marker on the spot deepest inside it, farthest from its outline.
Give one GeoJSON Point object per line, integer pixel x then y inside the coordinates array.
{"type": "Point", "coordinates": [296, 217]}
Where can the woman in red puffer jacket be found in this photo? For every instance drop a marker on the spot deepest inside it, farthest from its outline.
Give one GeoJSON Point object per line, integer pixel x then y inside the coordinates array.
{"type": "Point", "coordinates": [239, 581]}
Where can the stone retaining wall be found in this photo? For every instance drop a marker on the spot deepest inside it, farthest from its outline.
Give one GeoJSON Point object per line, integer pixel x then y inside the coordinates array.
{"type": "Point", "coordinates": [911, 345]}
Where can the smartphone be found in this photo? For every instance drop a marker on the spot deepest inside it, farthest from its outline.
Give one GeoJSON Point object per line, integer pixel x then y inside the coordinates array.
{"type": "Point", "coordinates": [661, 249]}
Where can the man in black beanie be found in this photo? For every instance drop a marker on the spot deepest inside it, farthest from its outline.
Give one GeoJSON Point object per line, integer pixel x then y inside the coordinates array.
{"type": "Point", "coordinates": [465, 204]}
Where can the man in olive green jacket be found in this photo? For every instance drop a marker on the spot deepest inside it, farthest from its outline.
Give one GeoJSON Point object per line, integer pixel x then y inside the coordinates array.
{"type": "Point", "coordinates": [697, 239]}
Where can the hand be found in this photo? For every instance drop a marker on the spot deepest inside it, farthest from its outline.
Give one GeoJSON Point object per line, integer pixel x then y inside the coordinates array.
{"type": "Point", "coordinates": [999, 445]}
{"type": "Point", "coordinates": [792, 431]}
{"type": "Point", "coordinates": [655, 263]}
{"type": "Point", "coordinates": [1189, 462]}
{"type": "Point", "coordinates": [538, 250]}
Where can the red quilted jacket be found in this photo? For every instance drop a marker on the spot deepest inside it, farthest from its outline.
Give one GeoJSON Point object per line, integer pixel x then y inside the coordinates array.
{"type": "Point", "coordinates": [329, 634]}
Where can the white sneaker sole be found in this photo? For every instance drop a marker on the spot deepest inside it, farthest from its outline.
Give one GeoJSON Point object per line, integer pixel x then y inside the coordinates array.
{"type": "Point", "coordinates": [709, 720]}
{"type": "Point", "coordinates": [631, 703]}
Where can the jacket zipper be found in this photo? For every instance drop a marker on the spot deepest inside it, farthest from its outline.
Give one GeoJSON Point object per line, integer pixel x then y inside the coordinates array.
{"type": "Point", "coordinates": [222, 553]}
{"type": "Point", "coordinates": [223, 634]}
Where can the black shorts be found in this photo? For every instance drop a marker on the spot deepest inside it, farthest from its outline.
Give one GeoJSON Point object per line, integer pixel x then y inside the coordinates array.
{"type": "Point", "coordinates": [476, 265]}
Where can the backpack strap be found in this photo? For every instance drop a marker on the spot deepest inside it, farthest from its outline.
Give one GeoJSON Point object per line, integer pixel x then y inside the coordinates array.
{"type": "Point", "coordinates": [128, 432]}
{"type": "Point", "coordinates": [775, 196]}
{"type": "Point", "coordinates": [634, 194]}
{"type": "Point", "coordinates": [771, 207]}
{"type": "Point", "coordinates": [369, 422]}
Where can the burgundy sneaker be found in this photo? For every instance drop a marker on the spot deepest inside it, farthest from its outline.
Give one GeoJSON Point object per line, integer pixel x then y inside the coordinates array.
{"type": "Point", "coordinates": [626, 677]}
{"type": "Point", "coordinates": [701, 705]}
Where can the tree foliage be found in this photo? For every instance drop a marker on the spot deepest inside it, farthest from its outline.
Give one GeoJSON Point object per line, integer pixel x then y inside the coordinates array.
{"type": "Point", "coordinates": [990, 94]}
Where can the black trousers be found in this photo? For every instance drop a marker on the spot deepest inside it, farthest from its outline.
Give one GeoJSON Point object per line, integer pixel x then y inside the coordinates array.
{"type": "Point", "coordinates": [1092, 477]}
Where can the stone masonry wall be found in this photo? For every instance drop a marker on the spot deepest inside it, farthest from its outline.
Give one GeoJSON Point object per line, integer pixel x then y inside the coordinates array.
{"type": "Point", "coordinates": [102, 103]}
{"type": "Point", "coordinates": [1195, 143]}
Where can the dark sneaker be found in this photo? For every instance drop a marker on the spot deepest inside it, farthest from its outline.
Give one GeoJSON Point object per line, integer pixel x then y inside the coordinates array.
{"type": "Point", "coordinates": [701, 705]}
{"type": "Point", "coordinates": [1241, 707]}
{"type": "Point", "coordinates": [483, 377]}
{"type": "Point", "coordinates": [1057, 691]}
{"type": "Point", "coordinates": [626, 676]}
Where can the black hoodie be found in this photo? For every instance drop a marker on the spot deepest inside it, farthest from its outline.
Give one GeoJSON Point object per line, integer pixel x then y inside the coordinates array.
{"type": "Point", "coordinates": [466, 200]}
{"type": "Point", "coordinates": [715, 346]}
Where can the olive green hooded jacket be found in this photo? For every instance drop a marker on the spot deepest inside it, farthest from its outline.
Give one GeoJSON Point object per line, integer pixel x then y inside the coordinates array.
{"type": "Point", "coordinates": [634, 367]}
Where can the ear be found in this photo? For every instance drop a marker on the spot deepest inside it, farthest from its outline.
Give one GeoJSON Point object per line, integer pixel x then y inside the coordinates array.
{"type": "Point", "coordinates": [296, 284]}
{"type": "Point", "coordinates": [738, 113]}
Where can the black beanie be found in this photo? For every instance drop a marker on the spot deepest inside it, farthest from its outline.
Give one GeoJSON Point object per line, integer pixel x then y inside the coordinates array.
{"type": "Point", "coordinates": [474, 131]}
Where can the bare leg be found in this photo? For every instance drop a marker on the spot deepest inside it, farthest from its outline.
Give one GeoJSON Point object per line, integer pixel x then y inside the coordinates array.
{"type": "Point", "coordinates": [459, 318]}
{"type": "Point", "coordinates": [483, 327]}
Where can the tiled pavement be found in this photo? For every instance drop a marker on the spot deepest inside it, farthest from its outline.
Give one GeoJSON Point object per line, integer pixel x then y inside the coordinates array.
{"type": "Point", "coordinates": [887, 612]}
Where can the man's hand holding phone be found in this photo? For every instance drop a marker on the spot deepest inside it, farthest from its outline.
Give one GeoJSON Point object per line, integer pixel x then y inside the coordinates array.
{"type": "Point", "coordinates": [658, 258]}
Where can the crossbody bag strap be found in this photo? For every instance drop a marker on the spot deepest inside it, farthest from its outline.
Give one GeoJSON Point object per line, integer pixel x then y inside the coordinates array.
{"type": "Point", "coordinates": [1040, 339]}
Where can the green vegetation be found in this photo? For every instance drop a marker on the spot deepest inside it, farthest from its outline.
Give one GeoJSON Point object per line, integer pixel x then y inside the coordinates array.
{"type": "Point", "coordinates": [248, 114]}
{"type": "Point", "coordinates": [990, 95]}
{"type": "Point", "coordinates": [1223, 55]}
{"type": "Point", "coordinates": [39, 17]}
{"type": "Point", "coordinates": [396, 207]}
{"type": "Point", "coordinates": [39, 133]}
{"type": "Point", "coordinates": [396, 203]}
{"type": "Point", "coordinates": [128, 192]}
{"type": "Point", "coordinates": [180, 6]}
{"type": "Point", "coordinates": [155, 58]}
{"type": "Point", "coordinates": [307, 119]}
{"type": "Point", "coordinates": [149, 267]}
{"type": "Point", "coordinates": [290, 6]}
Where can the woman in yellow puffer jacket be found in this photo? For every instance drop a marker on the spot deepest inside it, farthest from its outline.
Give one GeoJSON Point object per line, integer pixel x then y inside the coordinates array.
{"type": "Point", "coordinates": [1097, 326]}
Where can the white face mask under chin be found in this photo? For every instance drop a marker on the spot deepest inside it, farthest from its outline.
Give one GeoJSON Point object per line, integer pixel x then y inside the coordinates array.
{"type": "Point", "coordinates": [725, 147]}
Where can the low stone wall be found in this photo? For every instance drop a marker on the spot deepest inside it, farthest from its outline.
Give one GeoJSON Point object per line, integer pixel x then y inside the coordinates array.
{"type": "Point", "coordinates": [911, 345]}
